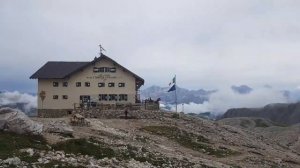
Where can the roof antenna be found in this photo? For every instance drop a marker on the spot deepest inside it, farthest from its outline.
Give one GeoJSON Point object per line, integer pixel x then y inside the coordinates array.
{"type": "Point", "coordinates": [101, 49]}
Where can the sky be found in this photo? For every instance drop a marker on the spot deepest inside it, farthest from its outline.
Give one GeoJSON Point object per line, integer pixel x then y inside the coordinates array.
{"type": "Point", "coordinates": [208, 44]}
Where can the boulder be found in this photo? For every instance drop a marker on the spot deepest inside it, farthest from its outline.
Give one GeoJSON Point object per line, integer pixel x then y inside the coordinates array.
{"type": "Point", "coordinates": [60, 127]}
{"type": "Point", "coordinates": [16, 121]}
{"type": "Point", "coordinates": [12, 161]}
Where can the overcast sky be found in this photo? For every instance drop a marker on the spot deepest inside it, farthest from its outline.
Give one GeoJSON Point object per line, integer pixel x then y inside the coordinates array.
{"type": "Point", "coordinates": [208, 44]}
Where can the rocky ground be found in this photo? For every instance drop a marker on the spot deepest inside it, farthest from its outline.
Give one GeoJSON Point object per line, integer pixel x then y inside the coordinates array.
{"type": "Point", "coordinates": [171, 141]}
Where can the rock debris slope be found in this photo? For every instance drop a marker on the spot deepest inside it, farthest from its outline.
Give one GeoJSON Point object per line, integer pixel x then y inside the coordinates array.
{"type": "Point", "coordinates": [168, 141]}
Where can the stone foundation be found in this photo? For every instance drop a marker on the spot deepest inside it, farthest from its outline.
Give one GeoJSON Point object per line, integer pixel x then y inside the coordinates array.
{"type": "Point", "coordinates": [53, 113]}
{"type": "Point", "coordinates": [110, 114]}
{"type": "Point", "coordinates": [104, 114]}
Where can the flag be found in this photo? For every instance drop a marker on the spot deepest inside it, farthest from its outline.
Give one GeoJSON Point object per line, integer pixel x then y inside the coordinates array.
{"type": "Point", "coordinates": [173, 81]}
{"type": "Point", "coordinates": [172, 88]}
{"type": "Point", "coordinates": [172, 84]}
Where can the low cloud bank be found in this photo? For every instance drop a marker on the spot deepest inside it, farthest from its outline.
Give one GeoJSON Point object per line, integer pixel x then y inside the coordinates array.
{"type": "Point", "coordinates": [219, 102]}
{"type": "Point", "coordinates": [15, 97]}
{"type": "Point", "coordinates": [225, 99]}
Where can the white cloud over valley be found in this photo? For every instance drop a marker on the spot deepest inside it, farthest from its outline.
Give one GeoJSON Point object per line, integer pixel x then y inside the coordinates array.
{"type": "Point", "coordinates": [219, 102]}
{"type": "Point", "coordinates": [12, 98]}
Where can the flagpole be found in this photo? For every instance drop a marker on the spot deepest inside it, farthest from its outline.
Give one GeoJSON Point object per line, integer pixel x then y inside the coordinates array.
{"type": "Point", "coordinates": [175, 94]}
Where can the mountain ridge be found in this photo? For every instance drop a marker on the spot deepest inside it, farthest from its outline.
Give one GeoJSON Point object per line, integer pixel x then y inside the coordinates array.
{"type": "Point", "coordinates": [283, 113]}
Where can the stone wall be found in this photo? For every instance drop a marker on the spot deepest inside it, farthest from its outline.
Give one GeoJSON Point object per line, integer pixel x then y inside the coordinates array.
{"type": "Point", "coordinates": [53, 113]}
{"type": "Point", "coordinates": [110, 114]}
{"type": "Point", "coordinates": [151, 106]}
{"type": "Point", "coordinates": [104, 114]}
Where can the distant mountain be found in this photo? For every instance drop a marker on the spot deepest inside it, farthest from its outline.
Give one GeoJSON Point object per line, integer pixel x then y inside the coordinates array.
{"type": "Point", "coordinates": [243, 89]}
{"type": "Point", "coordinates": [183, 95]}
{"type": "Point", "coordinates": [281, 113]}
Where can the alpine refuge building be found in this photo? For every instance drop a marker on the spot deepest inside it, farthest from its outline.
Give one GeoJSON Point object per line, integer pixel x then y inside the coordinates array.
{"type": "Point", "coordinates": [63, 85]}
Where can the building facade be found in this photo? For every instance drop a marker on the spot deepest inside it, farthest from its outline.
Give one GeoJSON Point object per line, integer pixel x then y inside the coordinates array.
{"type": "Point", "coordinates": [61, 85]}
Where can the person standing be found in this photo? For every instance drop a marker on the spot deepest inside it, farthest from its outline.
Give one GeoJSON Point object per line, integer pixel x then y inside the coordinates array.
{"type": "Point", "coordinates": [126, 113]}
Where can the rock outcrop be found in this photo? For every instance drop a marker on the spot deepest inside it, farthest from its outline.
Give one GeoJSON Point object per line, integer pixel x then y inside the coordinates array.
{"type": "Point", "coordinates": [60, 127]}
{"type": "Point", "coordinates": [15, 161]}
{"type": "Point", "coordinates": [14, 120]}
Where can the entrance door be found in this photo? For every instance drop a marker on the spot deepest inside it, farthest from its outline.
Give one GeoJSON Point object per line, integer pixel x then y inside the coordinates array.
{"type": "Point", "coordinates": [85, 100]}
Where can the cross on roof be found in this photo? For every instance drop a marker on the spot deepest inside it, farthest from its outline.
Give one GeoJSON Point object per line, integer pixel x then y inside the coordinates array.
{"type": "Point", "coordinates": [101, 49]}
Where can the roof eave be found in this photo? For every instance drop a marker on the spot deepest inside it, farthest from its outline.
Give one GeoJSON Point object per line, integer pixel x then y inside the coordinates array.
{"type": "Point", "coordinates": [44, 78]}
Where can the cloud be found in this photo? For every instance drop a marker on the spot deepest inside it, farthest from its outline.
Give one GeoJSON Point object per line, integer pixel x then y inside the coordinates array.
{"type": "Point", "coordinates": [12, 98]}
{"type": "Point", "coordinates": [219, 102]}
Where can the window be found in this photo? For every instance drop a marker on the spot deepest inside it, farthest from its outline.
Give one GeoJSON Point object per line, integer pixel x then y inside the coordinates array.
{"type": "Point", "coordinates": [112, 69]}
{"type": "Point", "coordinates": [104, 69]}
{"type": "Point", "coordinates": [55, 96]}
{"type": "Point", "coordinates": [65, 84]}
{"type": "Point", "coordinates": [101, 84]}
{"type": "Point", "coordinates": [122, 97]}
{"type": "Point", "coordinates": [112, 97]}
{"type": "Point", "coordinates": [121, 84]}
{"type": "Point", "coordinates": [55, 84]}
{"type": "Point", "coordinates": [101, 69]}
{"type": "Point", "coordinates": [95, 69]}
{"type": "Point", "coordinates": [111, 84]}
{"type": "Point", "coordinates": [78, 84]}
{"type": "Point", "coordinates": [87, 84]}
{"type": "Point", "coordinates": [65, 96]}
{"type": "Point", "coordinates": [102, 97]}
{"type": "Point", "coordinates": [84, 98]}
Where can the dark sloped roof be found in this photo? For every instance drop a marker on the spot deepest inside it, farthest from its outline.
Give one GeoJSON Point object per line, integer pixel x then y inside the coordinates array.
{"type": "Point", "coordinates": [57, 70]}
{"type": "Point", "coordinates": [61, 70]}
